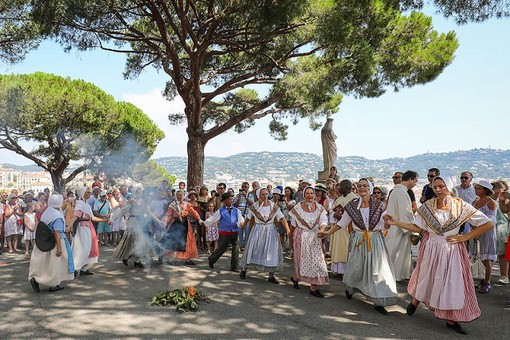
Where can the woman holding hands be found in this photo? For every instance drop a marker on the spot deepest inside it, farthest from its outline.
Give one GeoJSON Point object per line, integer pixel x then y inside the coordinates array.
{"type": "Point", "coordinates": [442, 278]}
{"type": "Point", "coordinates": [369, 269]}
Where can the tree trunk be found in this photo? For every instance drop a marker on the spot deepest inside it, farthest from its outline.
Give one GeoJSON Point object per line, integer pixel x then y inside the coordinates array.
{"type": "Point", "coordinates": [196, 159]}
{"type": "Point", "coordinates": [58, 181]}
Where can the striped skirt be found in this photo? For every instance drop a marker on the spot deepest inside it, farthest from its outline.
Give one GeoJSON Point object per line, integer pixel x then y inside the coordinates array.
{"type": "Point", "coordinates": [442, 280]}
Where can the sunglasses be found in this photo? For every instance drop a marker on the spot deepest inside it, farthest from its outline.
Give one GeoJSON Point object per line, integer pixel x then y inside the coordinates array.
{"type": "Point", "coordinates": [395, 177]}
{"type": "Point", "coordinates": [377, 192]}
{"type": "Point", "coordinates": [464, 177]}
{"type": "Point", "coordinates": [431, 176]}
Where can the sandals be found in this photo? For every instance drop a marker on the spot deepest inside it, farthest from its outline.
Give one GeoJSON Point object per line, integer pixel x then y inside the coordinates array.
{"type": "Point", "coordinates": [485, 287]}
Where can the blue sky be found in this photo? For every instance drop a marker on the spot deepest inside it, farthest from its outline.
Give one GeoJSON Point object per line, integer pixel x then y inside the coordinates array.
{"type": "Point", "coordinates": [466, 107]}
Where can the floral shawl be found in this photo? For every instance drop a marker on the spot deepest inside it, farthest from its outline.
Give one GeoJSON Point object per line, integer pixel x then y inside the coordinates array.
{"type": "Point", "coordinates": [376, 210]}
{"type": "Point", "coordinates": [460, 213]}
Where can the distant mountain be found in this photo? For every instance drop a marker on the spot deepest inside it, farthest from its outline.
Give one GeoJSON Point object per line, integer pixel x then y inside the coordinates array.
{"type": "Point", "coordinates": [486, 163]}
{"type": "Point", "coordinates": [22, 168]}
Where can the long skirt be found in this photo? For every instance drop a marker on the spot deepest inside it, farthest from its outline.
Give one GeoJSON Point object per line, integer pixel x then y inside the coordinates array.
{"type": "Point", "coordinates": [339, 250]}
{"type": "Point", "coordinates": [134, 243]}
{"type": "Point", "coordinates": [263, 250]}
{"type": "Point", "coordinates": [442, 280]}
{"type": "Point", "coordinates": [49, 269]}
{"type": "Point", "coordinates": [83, 242]}
{"type": "Point", "coordinates": [398, 243]}
{"type": "Point", "coordinates": [369, 269]}
{"type": "Point", "coordinates": [309, 263]}
{"type": "Point", "coordinates": [179, 242]}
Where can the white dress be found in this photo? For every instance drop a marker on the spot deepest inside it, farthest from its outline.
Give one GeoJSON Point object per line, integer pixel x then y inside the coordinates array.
{"type": "Point", "coordinates": [263, 249]}
{"type": "Point", "coordinates": [369, 268]}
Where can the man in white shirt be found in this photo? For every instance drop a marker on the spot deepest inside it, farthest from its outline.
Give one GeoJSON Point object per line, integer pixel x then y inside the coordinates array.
{"type": "Point", "coordinates": [465, 190]}
{"type": "Point", "coordinates": [398, 240]}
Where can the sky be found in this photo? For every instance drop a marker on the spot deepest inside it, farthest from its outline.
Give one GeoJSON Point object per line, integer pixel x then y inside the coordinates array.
{"type": "Point", "coordinates": [460, 110]}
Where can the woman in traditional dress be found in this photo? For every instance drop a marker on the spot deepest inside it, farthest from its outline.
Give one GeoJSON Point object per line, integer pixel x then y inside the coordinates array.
{"type": "Point", "coordinates": [85, 242]}
{"type": "Point", "coordinates": [309, 218]}
{"type": "Point", "coordinates": [487, 242]}
{"type": "Point", "coordinates": [339, 241]}
{"type": "Point", "coordinates": [197, 227]}
{"type": "Point", "coordinates": [52, 267]}
{"type": "Point", "coordinates": [135, 242]}
{"type": "Point", "coordinates": [263, 250]}
{"type": "Point", "coordinates": [442, 278]}
{"type": "Point", "coordinates": [178, 242]}
{"type": "Point", "coordinates": [369, 269]}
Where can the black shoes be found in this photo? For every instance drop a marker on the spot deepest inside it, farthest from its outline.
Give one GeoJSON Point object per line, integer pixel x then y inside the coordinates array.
{"type": "Point", "coordinates": [381, 310]}
{"type": "Point", "coordinates": [125, 262]}
{"type": "Point", "coordinates": [35, 285]}
{"type": "Point", "coordinates": [234, 270]}
{"type": "Point", "coordinates": [295, 283]}
{"type": "Point", "coordinates": [456, 327]}
{"type": "Point", "coordinates": [55, 289]}
{"type": "Point", "coordinates": [273, 279]}
{"type": "Point", "coordinates": [139, 264]}
{"type": "Point", "coordinates": [316, 293]}
{"type": "Point", "coordinates": [243, 275]}
{"type": "Point", "coordinates": [411, 308]}
{"type": "Point", "coordinates": [86, 272]}
{"type": "Point", "coordinates": [211, 264]}
{"type": "Point", "coordinates": [189, 262]}
{"type": "Point", "coordinates": [349, 296]}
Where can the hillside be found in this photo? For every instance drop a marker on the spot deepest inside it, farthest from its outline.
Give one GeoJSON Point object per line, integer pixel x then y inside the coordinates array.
{"type": "Point", "coordinates": [487, 163]}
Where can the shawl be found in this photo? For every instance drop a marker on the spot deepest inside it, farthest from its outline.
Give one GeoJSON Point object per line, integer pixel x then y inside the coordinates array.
{"type": "Point", "coordinates": [461, 212]}
{"type": "Point", "coordinates": [83, 207]}
{"type": "Point", "coordinates": [298, 210]}
{"type": "Point", "coordinates": [376, 208]}
{"type": "Point", "coordinates": [255, 211]}
{"type": "Point", "coordinates": [51, 214]}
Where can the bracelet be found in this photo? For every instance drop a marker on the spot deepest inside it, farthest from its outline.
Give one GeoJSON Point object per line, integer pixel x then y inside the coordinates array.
{"type": "Point", "coordinates": [422, 233]}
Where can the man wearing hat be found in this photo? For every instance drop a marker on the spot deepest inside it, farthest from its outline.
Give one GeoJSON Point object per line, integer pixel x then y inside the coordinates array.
{"type": "Point", "coordinates": [52, 267]}
{"type": "Point", "coordinates": [229, 218]}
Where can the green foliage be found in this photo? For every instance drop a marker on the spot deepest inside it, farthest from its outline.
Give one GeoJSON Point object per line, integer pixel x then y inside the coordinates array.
{"type": "Point", "coordinates": [466, 10]}
{"type": "Point", "coordinates": [184, 300]}
{"type": "Point", "coordinates": [235, 61]}
{"type": "Point", "coordinates": [150, 173]}
{"type": "Point", "coordinates": [18, 33]}
{"type": "Point", "coordinates": [71, 120]}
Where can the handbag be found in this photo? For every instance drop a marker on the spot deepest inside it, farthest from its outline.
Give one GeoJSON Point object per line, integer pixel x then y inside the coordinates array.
{"type": "Point", "coordinates": [477, 267]}
{"type": "Point", "coordinates": [44, 237]}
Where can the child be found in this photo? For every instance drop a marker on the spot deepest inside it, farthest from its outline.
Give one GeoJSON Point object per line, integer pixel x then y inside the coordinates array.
{"type": "Point", "coordinates": [30, 225]}
{"type": "Point", "coordinates": [212, 232]}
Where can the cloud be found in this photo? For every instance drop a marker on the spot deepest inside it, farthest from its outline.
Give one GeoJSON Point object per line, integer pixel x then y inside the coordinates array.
{"type": "Point", "coordinates": [157, 108]}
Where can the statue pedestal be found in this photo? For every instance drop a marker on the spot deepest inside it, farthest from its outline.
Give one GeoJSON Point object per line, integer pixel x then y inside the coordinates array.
{"type": "Point", "coordinates": [322, 176]}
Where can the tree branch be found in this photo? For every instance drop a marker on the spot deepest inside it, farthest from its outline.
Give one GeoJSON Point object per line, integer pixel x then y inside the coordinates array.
{"type": "Point", "coordinates": [253, 112]}
{"type": "Point", "coordinates": [10, 144]}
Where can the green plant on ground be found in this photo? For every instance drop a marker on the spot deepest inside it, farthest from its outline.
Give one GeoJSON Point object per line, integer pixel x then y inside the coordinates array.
{"type": "Point", "coordinates": [185, 300]}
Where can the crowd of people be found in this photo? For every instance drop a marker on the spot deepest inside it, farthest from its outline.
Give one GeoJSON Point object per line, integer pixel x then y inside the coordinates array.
{"type": "Point", "coordinates": [365, 232]}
